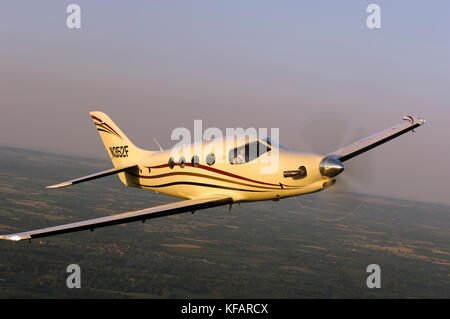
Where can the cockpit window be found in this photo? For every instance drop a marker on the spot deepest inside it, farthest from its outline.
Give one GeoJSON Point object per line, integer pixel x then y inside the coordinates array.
{"type": "Point", "coordinates": [247, 152]}
{"type": "Point", "coordinates": [274, 143]}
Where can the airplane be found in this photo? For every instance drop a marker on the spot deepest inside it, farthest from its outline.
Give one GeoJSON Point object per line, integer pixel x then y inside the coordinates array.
{"type": "Point", "coordinates": [216, 178]}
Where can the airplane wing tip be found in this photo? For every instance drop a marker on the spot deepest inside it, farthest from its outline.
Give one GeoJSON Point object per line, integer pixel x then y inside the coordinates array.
{"type": "Point", "coordinates": [414, 119]}
{"type": "Point", "coordinates": [15, 237]}
{"type": "Point", "coordinates": [59, 185]}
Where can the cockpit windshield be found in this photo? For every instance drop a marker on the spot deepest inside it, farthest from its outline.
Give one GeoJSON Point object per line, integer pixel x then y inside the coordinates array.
{"type": "Point", "coordinates": [274, 143]}
{"type": "Point", "coordinates": [247, 153]}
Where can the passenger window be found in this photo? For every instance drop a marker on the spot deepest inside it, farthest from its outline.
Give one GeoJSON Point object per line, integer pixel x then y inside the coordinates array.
{"type": "Point", "coordinates": [195, 161]}
{"type": "Point", "coordinates": [210, 159]}
{"type": "Point", "coordinates": [247, 153]}
{"type": "Point", "coordinates": [182, 162]}
{"type": "Point", "coordinates": [171, 162]}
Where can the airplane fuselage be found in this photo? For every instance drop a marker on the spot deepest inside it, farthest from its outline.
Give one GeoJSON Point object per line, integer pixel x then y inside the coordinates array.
{"type": "Point", "coordinates": [243, 182]}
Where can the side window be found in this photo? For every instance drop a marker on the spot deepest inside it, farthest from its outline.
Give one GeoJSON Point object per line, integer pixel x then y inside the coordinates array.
{"type": "Point", "coordinates": [182, 162]}
{"type": "Point", "coordinates": [171, 162]}
{"type": "Point", "coordinates": [247, 153]}
{"type": "Point", "coordinates": [195, 161]}
{"type": "Point", "coordinates": [210, 159]}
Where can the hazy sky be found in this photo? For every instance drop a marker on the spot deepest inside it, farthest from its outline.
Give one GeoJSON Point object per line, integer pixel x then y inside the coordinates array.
{"type": "Point", "coordinates": [311, 68]}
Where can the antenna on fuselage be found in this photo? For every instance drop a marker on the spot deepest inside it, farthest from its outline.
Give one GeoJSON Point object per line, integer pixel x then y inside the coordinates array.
{"type": "Point", "coordinates": [154, 139]}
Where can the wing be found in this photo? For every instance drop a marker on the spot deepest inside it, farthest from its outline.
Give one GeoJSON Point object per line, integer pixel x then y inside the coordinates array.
{"type": "Point", "coordinates": [92, 176]}
{"type": "Point", "coordinates": [407, 124]}
{"type": "Point", "coordinates": [148, 213]}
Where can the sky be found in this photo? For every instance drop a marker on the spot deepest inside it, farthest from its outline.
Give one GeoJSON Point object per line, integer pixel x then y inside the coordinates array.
{"type": "Point", "coordinates": [313, 69]}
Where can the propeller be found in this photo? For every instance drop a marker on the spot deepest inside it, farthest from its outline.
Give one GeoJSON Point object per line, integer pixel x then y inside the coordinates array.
{"type": "Point", "coordinates": [321, 134]}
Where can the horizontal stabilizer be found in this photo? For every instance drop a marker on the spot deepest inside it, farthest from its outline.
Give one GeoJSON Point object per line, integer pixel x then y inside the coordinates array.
{"type": "Point", "coordinates": [92, 176]}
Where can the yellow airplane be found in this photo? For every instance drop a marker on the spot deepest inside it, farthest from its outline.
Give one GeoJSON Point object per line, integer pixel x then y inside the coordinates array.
{"type": "Point", "coordinates": [227, 173]}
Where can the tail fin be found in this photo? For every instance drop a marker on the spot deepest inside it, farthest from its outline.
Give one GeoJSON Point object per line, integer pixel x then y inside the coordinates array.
{"type": "Point", "coordinates": [120, 149]}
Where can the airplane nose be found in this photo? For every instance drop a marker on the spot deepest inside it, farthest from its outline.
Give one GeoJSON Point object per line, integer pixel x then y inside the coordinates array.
{"type": "Point", "coordinates": [330, 167]}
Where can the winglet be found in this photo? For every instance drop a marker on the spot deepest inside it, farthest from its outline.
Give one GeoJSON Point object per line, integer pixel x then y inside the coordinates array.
{"type": "Point", "coordinates": [414, 119]}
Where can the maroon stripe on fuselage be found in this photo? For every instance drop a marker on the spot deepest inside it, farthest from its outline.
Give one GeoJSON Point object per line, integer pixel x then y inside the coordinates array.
{"type": "Point", "coordinates": [218, 171]}
{"type": "Point", "coordinates": [202, 176]}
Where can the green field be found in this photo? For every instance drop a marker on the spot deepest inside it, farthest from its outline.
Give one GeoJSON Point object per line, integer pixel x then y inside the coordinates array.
{"type": "Point", "coordinates": [262, 250]}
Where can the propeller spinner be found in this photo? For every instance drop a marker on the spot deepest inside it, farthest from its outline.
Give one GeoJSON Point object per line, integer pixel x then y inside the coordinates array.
{"type": "Point", "coordinates": [330, 167]}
